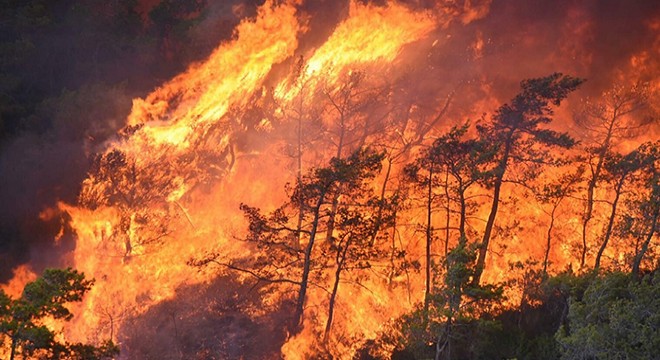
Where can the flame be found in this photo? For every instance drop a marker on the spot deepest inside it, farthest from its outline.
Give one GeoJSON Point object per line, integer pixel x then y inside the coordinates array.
{"type": "Point", "coordinates": [22, 275]}
{"type": "Point", "coordinates": [131, 272]}
{"type": "Point", "coordinates": [186, 106]}
{"type": "Point", "coordinates": [169, 187]}
{"type": "Point", "coordinates": [175, 120]}
{"type": "Point", "coordinates": [370, 35]}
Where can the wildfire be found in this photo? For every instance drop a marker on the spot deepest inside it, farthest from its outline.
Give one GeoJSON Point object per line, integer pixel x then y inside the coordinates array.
{"type": "Point", "coordinates": [168, 188]}
{"type": "Point", "coordinates": [22, 275]}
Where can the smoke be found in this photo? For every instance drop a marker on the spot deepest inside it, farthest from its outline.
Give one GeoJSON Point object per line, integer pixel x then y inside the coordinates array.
{"type": "Point", "coordinates": [35, 176]}
{"type": "Point", "coordinates": [71, 81]}
{"type": "Point", "coordinates": [215, 320]}
{"type": "Point", "coordinates": [474, 60]}
{"type": "Point", "coordinates": [41, 169]}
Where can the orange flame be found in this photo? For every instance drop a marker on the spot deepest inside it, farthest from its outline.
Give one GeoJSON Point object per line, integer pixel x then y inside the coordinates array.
{"type": "Point", "coordinates": [182, 173]}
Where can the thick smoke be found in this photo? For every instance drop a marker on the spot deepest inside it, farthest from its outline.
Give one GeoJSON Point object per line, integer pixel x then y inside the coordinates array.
{"type": "Point", "coordinates": [489, 56]}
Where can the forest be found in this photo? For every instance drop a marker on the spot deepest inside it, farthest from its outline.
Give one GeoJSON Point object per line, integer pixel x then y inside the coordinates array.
{"type": "Point", "coordinates": [329, 179]}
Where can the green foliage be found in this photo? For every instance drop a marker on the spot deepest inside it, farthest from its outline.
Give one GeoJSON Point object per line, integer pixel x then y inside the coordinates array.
{"type": "Point", "coordinates": [605, 316]}
{"type": "Point", "coordinates": [458, 312]}
{"type": "Point", "coordinates": [459, 317]}
{"type": "Point", "coordinates": [616, 318]}
{"type": "Point", "coordinates": [21, 320]}
{"type": "Point", "coordinates": [530, 109]}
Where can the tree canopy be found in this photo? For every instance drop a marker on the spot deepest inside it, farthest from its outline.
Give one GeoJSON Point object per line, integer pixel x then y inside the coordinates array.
{"type": "Point", "coordinates": [22, 320]}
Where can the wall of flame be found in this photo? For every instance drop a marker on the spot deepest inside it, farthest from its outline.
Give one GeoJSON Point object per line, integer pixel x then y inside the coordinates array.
{"type": "Point", "coordinates": [198, 148]}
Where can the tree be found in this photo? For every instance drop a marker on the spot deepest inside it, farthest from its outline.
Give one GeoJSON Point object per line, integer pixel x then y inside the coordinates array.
{"type": "Point", "coordinates": [454, 312]}
{"type": "Point", "coordinates": [300, 106]}
{"type": "Point", "coordinates": [287, 254]}
{"type": "Point", "coordinates": [349, 99]}
{"type": "Point", "coordinates": [619, 169]}
{"type": "Point", "coordinates": [642, 220]}
{"type": "Point", "coordinates": [517, 133]}
{"type": "Point", "coordinates": [615, 318]}
{"type": "Point", "coordinates": [460, 298]}
{"type": "Point", "coordinates": [606, 122]}
{"type": "Point", "coordinates": [553, 194]}
{"type": "Point", "coordinates": [352, 247]}
{"type": "Point", "coordinates": [300, 85]}
{"type": "Point", "coordinates": [461, 161]}
{"type": "Point", "coordinates": [139, 192]}
{"type": "Point", "coordinates": [21, 320]}
{"type": "Point", "coordinates": [424, 173]}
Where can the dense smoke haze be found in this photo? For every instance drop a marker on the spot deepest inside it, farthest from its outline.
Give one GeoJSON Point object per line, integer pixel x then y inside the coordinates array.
{"type": "Point", "coordinates": [132, 131]}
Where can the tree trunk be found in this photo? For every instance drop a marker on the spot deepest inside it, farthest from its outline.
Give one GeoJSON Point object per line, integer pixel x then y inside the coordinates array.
{"type": "Point", "coordinates": [549, 238]}
{"type": "Point", "coordinates": [592, 186]}
{"type": "Point", "coordinates": [341, 257]}
{"type": "Point", "coordinates": [445, 348]}
{"type": "Point", "coordinates": [299, 172]}
{"type": "Point", "coordinates": [638, 258]}
{"type": "Point", "coordinates": [335, 198]}
{"type": "Point", "coordinates": [390, 278]}
{"type": "Point", "coordinates": [379, 214]}
{"type": "Point", "coordinates": [302, 293]}
{"type": "Point", "coordinates": [14, 345]}
{"type": "Point", "coordinates": [463, 215]}
{"type": "Point", "coordinates": [483, 248]}
{"type": "Point", "coordinates": [610, 224]}
{"type": "Point", "coordinates": [448, 218]}
{"type": "Point", "coordinates": [429, 235]}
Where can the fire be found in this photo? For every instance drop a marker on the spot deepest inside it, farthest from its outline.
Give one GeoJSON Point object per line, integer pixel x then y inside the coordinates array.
{"type": "Point", "coordinates": [136, 267]}
{"type": "Point", "coordinates": [22, 275]}
{"type": "Point", "coordinates": [168, 188]}
{"type": "Point", "coordinates": [175, 121]}
{"type": "Point", "coordinates": [183, 109]}
{"type": "Point", "coordinates": [370, 34]}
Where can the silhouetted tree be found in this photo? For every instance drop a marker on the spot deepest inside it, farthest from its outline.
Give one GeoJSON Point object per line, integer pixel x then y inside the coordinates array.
{"type": "Point", "coordinates": [452, 164]}
{"type": "Point", "coordinates": [516, 131]}
{"type": "Point", "coordinates": [642, 218]}
{"type": "Point", "coordinates": [618, 170]}
{"type": "Point", "coordinates": [425, 174]}
{"type": "Point", "coordinates": [352, 247]}
{"type": "Point", "coordinates": [554, 194]}
{"type": "Point", "coordinates": [139, 192]}
{"type": "Point", "coordinates": [606, 122]}
{"type": "Point", "coordinates": [288, 254]}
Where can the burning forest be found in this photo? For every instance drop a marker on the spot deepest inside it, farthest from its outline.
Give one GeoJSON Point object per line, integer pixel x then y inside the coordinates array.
{"type": "Point", "coordinates": [330, 179]}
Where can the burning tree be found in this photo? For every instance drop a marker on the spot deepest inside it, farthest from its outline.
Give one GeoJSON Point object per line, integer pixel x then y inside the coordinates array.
{"type": "Point", "coordinates": [553, 194]}
{"type": "Point", "coordinates": [619, 169]}
{"type": "Point", "coordinates": [138, 193]}
{"type": "Point", "coordinates": [642, 220]}
{"type": "Point", "coordinates": [389, 75]}
{"type": "Point", "coordinates": [607, 121]}
{"type": "Point", "coordinates": [454, 165]}
{"type": "Point", "coordinates": [516, 130]}
{"type": "Point", "coordinates": [288, 254]}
